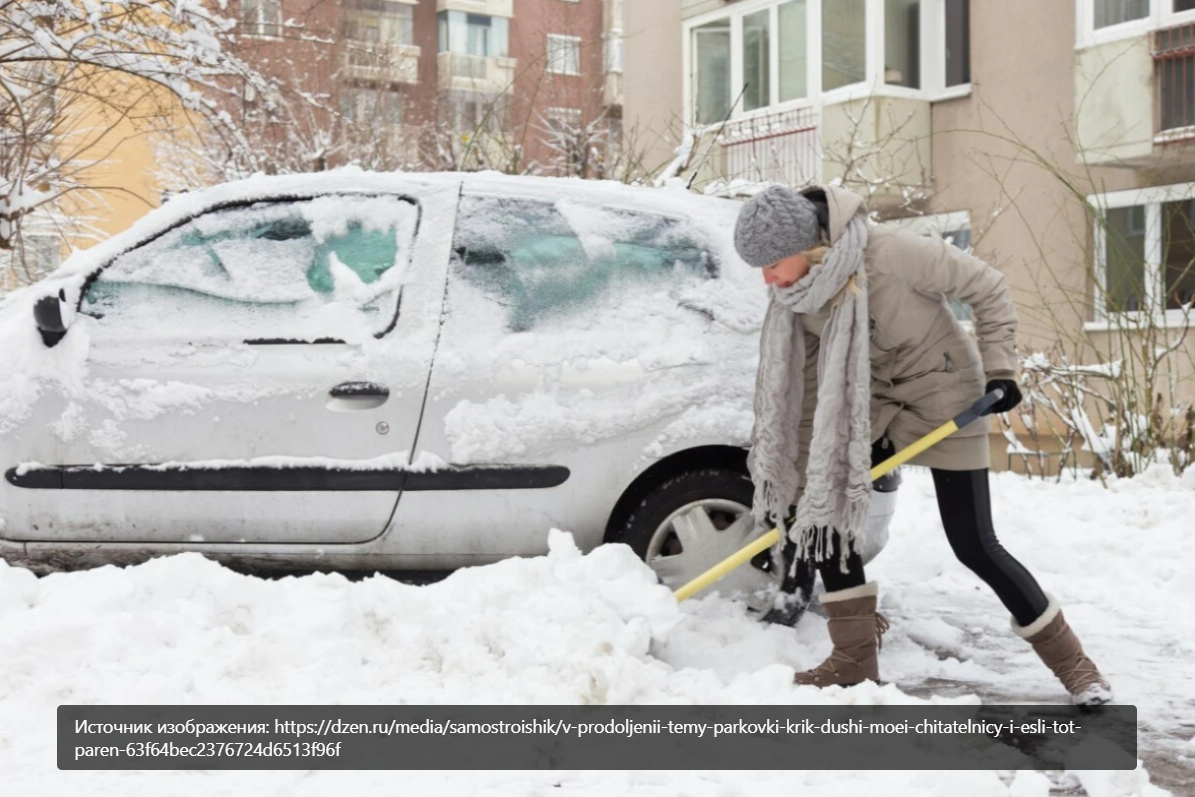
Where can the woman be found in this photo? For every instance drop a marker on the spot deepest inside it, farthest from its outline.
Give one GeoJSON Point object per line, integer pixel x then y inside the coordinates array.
{"type": "Point", "coordinates": [859, 346]}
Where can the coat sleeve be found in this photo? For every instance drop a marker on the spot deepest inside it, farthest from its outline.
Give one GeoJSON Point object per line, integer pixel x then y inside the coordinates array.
{"type": "Point", "coordinates": [934, 267]}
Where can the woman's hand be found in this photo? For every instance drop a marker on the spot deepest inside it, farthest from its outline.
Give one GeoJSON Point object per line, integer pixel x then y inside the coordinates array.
{"type": "Point", "coordinates": [1012, 394]}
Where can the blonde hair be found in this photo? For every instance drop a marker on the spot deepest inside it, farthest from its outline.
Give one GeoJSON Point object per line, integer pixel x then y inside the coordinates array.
{"type": "Point", "coordinates": [816, 256]}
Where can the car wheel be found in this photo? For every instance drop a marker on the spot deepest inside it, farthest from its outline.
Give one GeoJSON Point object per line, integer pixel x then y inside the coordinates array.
{"type": "Point", "coordinates": [693, 521]}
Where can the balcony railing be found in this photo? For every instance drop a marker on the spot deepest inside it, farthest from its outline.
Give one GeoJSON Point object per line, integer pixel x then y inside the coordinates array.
{"type": "Point", "coordinates": [476, 72]}
{"type": "Point", "coordinates": [1174, 78]}
{"type": "Point", "coordinates": [780, 147]}
{"type": "Point", "coordinates": [394, 64]}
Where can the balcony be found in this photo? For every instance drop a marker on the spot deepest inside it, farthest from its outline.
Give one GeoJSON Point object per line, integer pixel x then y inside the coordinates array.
{"type": "Point", "coordinates": [367, 61]}
{"type": "Point", "coordinates": [883, 141]}
{"type": "Point", "coordinates": [780, 147]}
{"type": "Point", "coordinates": [493, 8]}
{"type": "Point", "coordinates": [475, 72]}
{"type": "Point", "coordinates": [1135, 99]}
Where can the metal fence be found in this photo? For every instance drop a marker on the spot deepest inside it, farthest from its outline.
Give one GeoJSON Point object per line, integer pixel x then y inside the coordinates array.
{"type": "Point", "coordinates": [780, 147]}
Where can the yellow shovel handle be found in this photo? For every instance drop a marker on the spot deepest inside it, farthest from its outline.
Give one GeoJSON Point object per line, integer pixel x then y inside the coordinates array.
{"type": "Point", "coordinates": [744, 555]}
{"type": "Point", "coordinates": [739, 557]}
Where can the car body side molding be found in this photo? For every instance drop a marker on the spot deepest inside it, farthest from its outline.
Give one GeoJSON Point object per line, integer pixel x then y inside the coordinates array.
{"type": "Point", "coordinates": [285, 479]}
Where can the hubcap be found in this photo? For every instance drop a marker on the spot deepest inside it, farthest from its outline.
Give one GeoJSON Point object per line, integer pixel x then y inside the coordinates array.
{"type": "Point", "coordinates": [698, 536]}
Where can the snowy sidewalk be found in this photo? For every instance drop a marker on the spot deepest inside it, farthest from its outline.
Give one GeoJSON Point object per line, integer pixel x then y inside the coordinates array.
{"type": "Point", "coordinates": [598, 629]}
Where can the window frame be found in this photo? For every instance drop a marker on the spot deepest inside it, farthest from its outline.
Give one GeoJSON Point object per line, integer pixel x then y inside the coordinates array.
{"type": "Point", "coordinates": [614, 53]}
{"type": "Point", "coordinates": [1152, 198]}
{"type": "Point", "coordinates": [260, 23]}
{"type": "Point", "coordinates": [448, 33]}
{"type": "Point", "coordinates": [574, 42]}
{"type": "Point", "coordinates": [272, 199]}
{"type": "Point", "coordinates": [1159, 16]}
{"type": "Point", "coordinates": [932, 35]}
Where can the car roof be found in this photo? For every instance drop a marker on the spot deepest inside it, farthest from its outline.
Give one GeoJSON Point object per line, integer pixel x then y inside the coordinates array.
{"type": "Point", "coordinates": [183, 206]}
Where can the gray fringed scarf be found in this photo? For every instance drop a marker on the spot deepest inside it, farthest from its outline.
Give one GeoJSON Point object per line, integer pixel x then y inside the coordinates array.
{"type": "Point", "coordinates": [838, 487]}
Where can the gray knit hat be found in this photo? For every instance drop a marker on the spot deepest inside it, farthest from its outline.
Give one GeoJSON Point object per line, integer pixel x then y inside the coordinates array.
{"type": "Point", "coordinates": [776, 223]}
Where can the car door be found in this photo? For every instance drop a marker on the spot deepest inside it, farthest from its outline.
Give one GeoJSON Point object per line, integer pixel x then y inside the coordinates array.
{"type": "Point", "coordinates": [255, 374]}
{"type": "Point", "coordinates": [565, 345]}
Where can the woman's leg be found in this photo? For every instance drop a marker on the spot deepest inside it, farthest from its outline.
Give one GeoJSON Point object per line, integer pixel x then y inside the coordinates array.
{"type": "Point", "coordinates": [965, 505]}
{"type": "Point", "coordinates": [831, 570]}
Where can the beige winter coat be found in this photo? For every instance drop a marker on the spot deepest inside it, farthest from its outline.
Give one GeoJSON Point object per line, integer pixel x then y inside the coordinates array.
{"type": "Point", "coordinates": [925, 367]}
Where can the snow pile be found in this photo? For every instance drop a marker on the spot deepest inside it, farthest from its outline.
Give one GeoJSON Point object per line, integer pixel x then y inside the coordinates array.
{"type": "Point", "coordinates": [576, 629]}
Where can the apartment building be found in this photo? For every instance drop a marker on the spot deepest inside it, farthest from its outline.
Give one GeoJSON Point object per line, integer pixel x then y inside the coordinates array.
{"type": "Point", "coordinates": [414, 79]}
{"type": "Point", "coordinates": [1053, 139]}
{"type": "Point", "coordinates": [387, 83]}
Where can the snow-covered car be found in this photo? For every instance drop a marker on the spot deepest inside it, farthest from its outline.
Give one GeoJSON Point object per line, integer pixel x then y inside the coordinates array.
{"type": "Point", "coordinates": [401, 372]}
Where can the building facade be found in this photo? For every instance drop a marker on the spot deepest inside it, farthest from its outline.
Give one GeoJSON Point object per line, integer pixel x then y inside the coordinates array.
{"type": "Point", "coordinates": [1053, 139]}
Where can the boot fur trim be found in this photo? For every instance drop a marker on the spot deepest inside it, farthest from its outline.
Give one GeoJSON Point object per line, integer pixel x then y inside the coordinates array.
{"type": "Point", "coordinates": [1038, 625]}
{"type": "Point", "coordinates": [861, 591]}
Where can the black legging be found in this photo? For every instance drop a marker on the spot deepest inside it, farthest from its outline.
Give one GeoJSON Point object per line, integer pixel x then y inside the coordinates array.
{"type": "Point", "coordinates": [966, 508]}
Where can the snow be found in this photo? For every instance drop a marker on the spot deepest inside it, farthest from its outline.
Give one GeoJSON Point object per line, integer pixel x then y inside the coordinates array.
{"type": "Point", "coordinates": [423, 462]}
{"type": "Point", "coordinates": [597, 629]}
{"type": "Point", "coordinates": [650, 311]}
{"type": "Point", "coordinates": [611, 326]}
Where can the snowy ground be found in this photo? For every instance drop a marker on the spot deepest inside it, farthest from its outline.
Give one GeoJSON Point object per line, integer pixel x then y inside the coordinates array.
{"type": "Point", "coordinates": [594, 629]}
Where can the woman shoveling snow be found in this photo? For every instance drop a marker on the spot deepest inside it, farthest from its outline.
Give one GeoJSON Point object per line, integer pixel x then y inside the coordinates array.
{"type": "Point", "coordinates": [860, 347]}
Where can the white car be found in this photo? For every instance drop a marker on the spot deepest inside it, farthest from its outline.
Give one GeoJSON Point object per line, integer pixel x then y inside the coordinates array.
{"type": "Point", "coordinates": [400, 372]}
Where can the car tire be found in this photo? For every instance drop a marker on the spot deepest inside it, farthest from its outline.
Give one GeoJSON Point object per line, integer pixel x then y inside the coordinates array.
{"type": "Point", "coordinates": [692, 521]}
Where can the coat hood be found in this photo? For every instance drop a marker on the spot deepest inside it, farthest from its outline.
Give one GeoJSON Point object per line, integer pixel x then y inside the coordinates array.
{"type": "Point", "coordinates": [843, 205]}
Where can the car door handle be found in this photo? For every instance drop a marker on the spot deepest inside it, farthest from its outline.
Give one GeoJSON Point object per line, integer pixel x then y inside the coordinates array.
{"type": "Point", "coordinates": [359, 390]}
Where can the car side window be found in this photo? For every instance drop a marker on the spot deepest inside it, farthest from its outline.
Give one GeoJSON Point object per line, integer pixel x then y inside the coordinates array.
{"type": "Point", "coordinates": [547, 258]}
{"type": "Point", "coordinates": [325, 268]}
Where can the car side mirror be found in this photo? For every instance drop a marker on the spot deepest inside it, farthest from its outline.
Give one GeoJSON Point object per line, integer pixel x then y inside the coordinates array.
{"type": "Point", "coordinates": [52, 316]}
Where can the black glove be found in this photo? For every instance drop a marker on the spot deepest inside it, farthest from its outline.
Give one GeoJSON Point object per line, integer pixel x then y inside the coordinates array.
{"type": "Point", "coordinates": [1012, 394]}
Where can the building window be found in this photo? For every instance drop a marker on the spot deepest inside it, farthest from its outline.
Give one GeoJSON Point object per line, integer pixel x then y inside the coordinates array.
{"type": "Point", "coordinates": [476, 112]}
{"type": "Point", "coordinates": [262, 17]}
{"type": "Point", "coordinates": [41, 252]}
{"type": "Point", "coordinates": [1178, 254]}
{"type": "Point", "coordinates": [1115, 12]}
{"type": "Point", "coordinates": [902, 43]}
{"type": "Point", "coordinates": [1174, 77]}
{"type": "Point", "coordinates": [1184, 5]}
{"type": "Point", "coordinates": [769, 53]}
{"type": "Point", "coordinates": [384, 22]}
{"type": "Point", "coordinates": [615, 51]}
{"type": "Point", "coordinates": [711, 59]}
{"type": "Point", "coordinates": [794, 51]}
{"type": "Point", "coordinates": [844, 43]}
{"type": "Point", "coordinates": [563, 120]}
{"type": "Point", "coordinates": [367, 106]}
{"type": "Point", "coordinates": [1124, 259]}
{"type": "Point", "coordinates": [564, 54]}
{"type": "Point", "coordinates": [1145, 251]}
{"type": "Point", "coordinates": [756, 60]}
{"type": "Point", "coordinates": [958, 42]}
{"type": "Point", "coordinates": [473, 34]}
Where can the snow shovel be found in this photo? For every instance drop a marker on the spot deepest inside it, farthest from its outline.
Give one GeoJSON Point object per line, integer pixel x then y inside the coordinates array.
{"type": "Point", "coordinates": [977, 410]}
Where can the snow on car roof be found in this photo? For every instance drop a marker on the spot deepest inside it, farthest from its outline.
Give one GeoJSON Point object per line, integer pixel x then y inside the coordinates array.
{"type": "Point", "coordinates": [353, 179]}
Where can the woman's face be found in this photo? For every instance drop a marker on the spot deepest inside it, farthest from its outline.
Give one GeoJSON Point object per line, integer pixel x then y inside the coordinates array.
{"type": "Point", "coordinates": [787, 272]}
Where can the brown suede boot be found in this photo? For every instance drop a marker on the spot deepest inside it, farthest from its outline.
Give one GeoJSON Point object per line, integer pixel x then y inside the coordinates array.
{"type": "Point", "coordinates": [1056, 645]}
{"type": "Point", "coordinates": [855, 630]}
